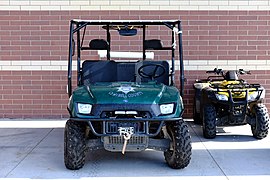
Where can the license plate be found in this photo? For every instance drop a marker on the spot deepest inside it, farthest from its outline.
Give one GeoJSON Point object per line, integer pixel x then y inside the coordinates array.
{"type": "Point", "coordinates": [125, 130]}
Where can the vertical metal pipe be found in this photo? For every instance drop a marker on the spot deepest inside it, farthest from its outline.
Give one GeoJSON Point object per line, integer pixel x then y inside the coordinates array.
{"type": "Point", "coordinates": [78, 56]}
{"type": "Point", "coordinates": [109, 42]}
{"type": "Point", "coordinates": [144, 55]}
{"type": "Point", "coordinates": [70, 53]}
{"type": "Point", "coordinates": [173, 56]}
{"type": "Point", "coordinates": [182, 77]}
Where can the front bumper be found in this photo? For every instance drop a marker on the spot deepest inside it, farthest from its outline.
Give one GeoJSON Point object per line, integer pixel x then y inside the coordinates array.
{"type": "Point", "coordinates": [235, 109]}
{"type": "Point", "coordinates": [145, 119]}
{"type": "Point", "coordinates": [142, 126]}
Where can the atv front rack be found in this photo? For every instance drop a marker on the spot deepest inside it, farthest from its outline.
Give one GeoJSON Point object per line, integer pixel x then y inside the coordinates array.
{"type": "Point", "coordinates": [238, 106]}
{"type": "Point", "coordinates": [236, 100]}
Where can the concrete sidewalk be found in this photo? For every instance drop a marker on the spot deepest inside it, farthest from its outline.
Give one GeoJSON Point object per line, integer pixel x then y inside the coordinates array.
{"type": "Point", "coordinates": [34, 150]}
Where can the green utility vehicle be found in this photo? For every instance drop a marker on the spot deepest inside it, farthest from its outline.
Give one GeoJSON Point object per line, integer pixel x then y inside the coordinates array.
{"type": "Point", "coordinates": [226, 100]}
{"type": "Point", "coordinates": [124, 105]}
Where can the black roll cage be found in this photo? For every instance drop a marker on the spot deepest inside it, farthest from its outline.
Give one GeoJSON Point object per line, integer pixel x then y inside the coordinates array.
{"type": "Point", "coordinates": [76, 25]}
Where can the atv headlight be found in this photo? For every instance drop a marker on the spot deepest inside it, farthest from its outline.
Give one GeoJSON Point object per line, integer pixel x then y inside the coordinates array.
{"type": "Point", "coordinates": [222, 97]}
{"type": "Point", "coordinates": [263, 94]}
{"type": "Point", "coordinates": [166, 108]}
{"type": "Point", "coordinates": [84, 108]}
{"type": "Point", "coordinates": [253, 96]}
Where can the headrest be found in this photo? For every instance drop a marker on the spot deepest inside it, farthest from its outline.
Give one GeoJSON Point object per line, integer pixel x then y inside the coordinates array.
{"type": "Point", "coordinates": [99, 44]}
{"type": "Point", "coordinates": [153, 44]}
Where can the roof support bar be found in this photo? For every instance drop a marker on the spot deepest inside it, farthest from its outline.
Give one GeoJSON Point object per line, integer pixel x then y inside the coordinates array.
{"type": "Point", "coordinates": [182, 77]}
{"type": "Point", "coordinates": [69, 86]}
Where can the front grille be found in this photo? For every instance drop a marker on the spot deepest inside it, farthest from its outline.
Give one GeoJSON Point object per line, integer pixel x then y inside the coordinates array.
{"type": "Point", "coordinates": [142, 110]}
{"type": "Point", "coordinates": [113, 114]}
{"type": "Point", "coordinates": [115, 143]}
{"type": "Point", "coordinates": [120, 140]}
{"type": "Point", "coordinates": [239, 99]}
{"type": "Point", "coordinates": [239, 110]}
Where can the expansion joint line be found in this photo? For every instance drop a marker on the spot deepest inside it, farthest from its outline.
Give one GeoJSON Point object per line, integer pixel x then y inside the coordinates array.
{"type": "Point", "coordinates": [209, 152]}
{"type": "Point", "coordinates": [28, 153]}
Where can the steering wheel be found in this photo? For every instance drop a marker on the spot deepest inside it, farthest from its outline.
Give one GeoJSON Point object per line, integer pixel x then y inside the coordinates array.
{"type": "Point", "coordinates": [151, 75]}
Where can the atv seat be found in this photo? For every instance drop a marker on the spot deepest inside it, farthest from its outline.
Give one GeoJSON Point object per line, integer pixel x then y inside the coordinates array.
{"type": "Point", "coordinates": [110, 71]}
{"type": "Point", "coordinates": [231, 76]}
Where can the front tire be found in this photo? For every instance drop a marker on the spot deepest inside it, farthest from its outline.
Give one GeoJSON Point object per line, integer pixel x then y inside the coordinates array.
{"type": "Point", "coordinates": [75, 145]}
{"type": "Point", "coordinates": [261, 126]}
{"type": "Point", "coordinates": [179, 154]}
{"type": "Point", "coordinates": [209, 121]}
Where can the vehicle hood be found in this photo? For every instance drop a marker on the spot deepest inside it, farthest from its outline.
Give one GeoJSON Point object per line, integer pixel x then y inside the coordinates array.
{"type": "Point", "coordinates": [127, 92]}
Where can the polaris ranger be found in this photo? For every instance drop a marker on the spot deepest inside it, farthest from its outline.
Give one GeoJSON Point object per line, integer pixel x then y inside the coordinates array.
{"type": "Point", "coordinates": [124, 105]}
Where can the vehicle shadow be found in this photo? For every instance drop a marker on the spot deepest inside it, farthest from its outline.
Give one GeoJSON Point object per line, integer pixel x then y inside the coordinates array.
{"type": "Point", "coordinates": [224, 134]}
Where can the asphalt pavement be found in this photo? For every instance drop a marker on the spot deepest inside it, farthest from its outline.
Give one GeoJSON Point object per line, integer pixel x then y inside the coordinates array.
{"type": "Point", "coordinates": [33, 149]}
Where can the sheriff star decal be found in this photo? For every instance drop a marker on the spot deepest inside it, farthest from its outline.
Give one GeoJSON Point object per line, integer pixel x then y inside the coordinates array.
{"type": "Point", "coordinates": [125, 89]}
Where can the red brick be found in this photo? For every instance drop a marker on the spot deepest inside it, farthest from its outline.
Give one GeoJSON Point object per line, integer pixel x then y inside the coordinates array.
{"type": "Point", "coordinates": [216, 43]}
{"type": "Point", "coordinates": [228, 18]}
{"type": "Point", "coordinates": [246, 57]}
{"type": "Point", "coordinates": [261, 18]}
{"type": "Point", "coordinates": [257, 23]}
{"type": "Point", "coordinates": [257, 52]}
{"type": "Point", "coordinates": [264, 57]}
{"type": "Point", "coordinates": [258, 43]}
{"type": "Point", "coordinates": [247, 38]}
{"type": "Point", "coordinates": [4, 13]}
{"type": "Point", "coordinates": [200, 13]}
{"type": "Point", "coordinates": [237, 52]}
{"type": "Point", "coordinates": [218, 23]}
{"type": "Point", "coordinates": [209, 18]}
{"type": "Point", "coordinates": [224, 48]}
{"type": "Point", "coordinates": [228, 57]}
{"type": "Point", "coordinates": [258, 13]}
{"type": "Point", "coordinates": [238, 23]}
{"type": "Point", "coordinates": [228, 38]}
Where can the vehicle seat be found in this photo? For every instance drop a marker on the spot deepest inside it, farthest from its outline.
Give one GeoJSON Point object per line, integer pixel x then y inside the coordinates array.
{"type": "Point", "coordinates": [107, 71]}
{"type": "Point", "coordinates": [231, 76]}
{"type": "Point", "coordinates": [110, 71]}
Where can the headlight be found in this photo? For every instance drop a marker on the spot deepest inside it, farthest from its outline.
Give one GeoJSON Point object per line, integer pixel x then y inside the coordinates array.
{"type": "Point", "coordinates": [84, 108]}
{"type": "Point", "coordinates": [221, 97]}
{"type": "Point", "coordinates": [253, 96]}
{"type": "Point", "coordinates": [166, 108]}
{"type": "Point", "coordinates": [263, 94]}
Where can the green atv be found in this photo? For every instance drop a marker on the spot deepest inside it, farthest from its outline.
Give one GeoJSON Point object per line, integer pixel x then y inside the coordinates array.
{"type": "Point", "coordinates": [124, 105]}
{"type": "Point", "coordinates": [224, 100]}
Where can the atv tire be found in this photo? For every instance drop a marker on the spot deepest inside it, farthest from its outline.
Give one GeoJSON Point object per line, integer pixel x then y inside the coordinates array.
{"type": "Point", "coordinates": [179, 154]}
{"type": "Point", "coordinates": [75, 145]}
{"type": "Point", "coordinates": [196, 116]}
{"type": "Point", "coordinates": [209, 121]}
{"type": "Point", "coordinates": [261, 126]}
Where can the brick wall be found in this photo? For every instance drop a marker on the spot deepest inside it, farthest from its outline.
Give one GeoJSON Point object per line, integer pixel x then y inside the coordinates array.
{"type": "Point", "coordinates": [33, 52]}
{"type": "Point", "coordinates": [33, 94]}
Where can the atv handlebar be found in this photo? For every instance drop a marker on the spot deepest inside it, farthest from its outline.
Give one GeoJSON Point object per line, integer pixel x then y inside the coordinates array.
{"type": "Point", "coordinates": [242, 71]}
{"type": "Point", "coordinates": [221, 72]}
{"type": "Point", "coordinates": [227, 75]}
{"type": "Point", "coordinates": [216, 71]}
